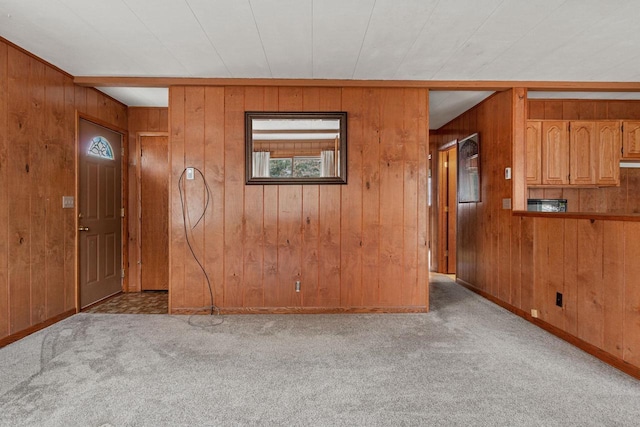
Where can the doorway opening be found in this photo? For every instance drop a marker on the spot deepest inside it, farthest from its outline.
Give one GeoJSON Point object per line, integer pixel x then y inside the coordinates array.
{"type": "Point", "coordinates": [153, 213]}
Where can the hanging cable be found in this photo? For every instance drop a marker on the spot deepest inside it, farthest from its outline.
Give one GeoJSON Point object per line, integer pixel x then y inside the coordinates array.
{"type": "Point", "coordinates": [213, 308]}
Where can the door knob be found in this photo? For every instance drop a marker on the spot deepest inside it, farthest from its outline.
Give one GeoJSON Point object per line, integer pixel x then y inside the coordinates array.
{"type": "Point", "coordinates": [81, 228]}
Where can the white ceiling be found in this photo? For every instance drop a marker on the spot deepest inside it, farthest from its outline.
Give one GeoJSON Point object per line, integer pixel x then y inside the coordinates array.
{"type": "Point", "coordinates": [542, 40]}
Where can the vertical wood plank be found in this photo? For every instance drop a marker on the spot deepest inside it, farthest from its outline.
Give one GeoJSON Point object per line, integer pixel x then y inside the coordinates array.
{"type": "Point", "coordinates": [587, 110]}
{"type": "Point", "coordinates": [195, 198]}
{"type": "Point", "coordinates": [4, 195]}
{"type": "Point", "coordinates": [590, 283]}
{"type": "Point", "coordinates": [391, 198]}
{"type": "Point", "coordinates": [91, 107]}
{"type": "Point", "coordinates": [330, 231]}
{"type": "Point", "coordinates": [411, 131]}
{"type": "Point", "coordinates": [270, 228]}
{"type": "Point", "coordinates": [351, 205]}
{"type": "Point", "coordinates": [178, 247]}
{"type": "Point", "coordinates": [570, 110]}
{"type": "Point", "coordinates": [19, 119]}
{"type": "Point", "coordinates": [289, 244]}
{"type": "Point", "coordinates": [310, 266]}
{"type": "Point", "coordinates": [329, 246]}
{"type": "Point", "coordinates": [555, 273]}
{"type": "Point", "coordinates": [541, 265]}
{"type": "Point", "coordinates": [70, 230]}
{"type": "Point", "coordinates": [137, 122]}
{"type": "Point", "coordinates": [631, 337]}
{"type": "Point", "coordinates": [80, 99]}
{"type": "Point", "coordinates": [54, 171]}
{"type": "Point", "coordinates": [289, 218]}
{"type": "Point", "coordinates": [310, 286]}
{"type": "Point", "coordinates": [38, 192]}
{"type": "Point", "coordinates": [422, 294]}
{"type": "Point", "coordinates": [527, 253]}
{"type": "Point", "coordinates": [535, 109]}
{"type": "Point", "coordinates": [614, 287]}
{"type": "Point", "coordinates": [371, 197]}
{"type": "Point", "coordinates": [233, 196]}
{"type": "Point", "coordinates": [505, 188]}
{"type": "Point", "coordinates": [515, 297]}
{"type": "Point", "coordinates": [253, 212]}
{"type": "Point", "coordinates": [571, 284]}
{"type": "Point", "coordinates": [553, 110]}
{"type": "Point", "coordinates": [214, 171]}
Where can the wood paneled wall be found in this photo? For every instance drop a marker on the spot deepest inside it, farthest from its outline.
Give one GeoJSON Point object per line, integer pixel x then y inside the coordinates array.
{"type": "Point", "coordinates": [141, 119]}
{"type": "Point", "coordinates": [38, 106]}
{"type": "Point", "coordinates": [616, 200]}
{"type": "Point", "coordinates": [523, 261]}
{"type": "Point", "coordinates": [358, 246]}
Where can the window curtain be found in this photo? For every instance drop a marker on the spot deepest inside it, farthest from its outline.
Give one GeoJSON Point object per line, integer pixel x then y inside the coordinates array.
{"type": "Point", "coordinates": [327, 167]}
{"type": "Point", "coordinates": [261, 164]}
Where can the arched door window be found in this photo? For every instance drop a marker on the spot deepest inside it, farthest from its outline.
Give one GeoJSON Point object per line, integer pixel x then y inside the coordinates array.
{"type": "Point", "coordinates": [100, 147]}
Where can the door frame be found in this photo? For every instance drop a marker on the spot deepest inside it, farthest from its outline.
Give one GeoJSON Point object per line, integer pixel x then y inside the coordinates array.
{"type": "Point", "coordinates": [124, 195]}
{"type": "Point", "coordinates": [138, 201]}
{"type": "Point", "coordinates": [443, 194]}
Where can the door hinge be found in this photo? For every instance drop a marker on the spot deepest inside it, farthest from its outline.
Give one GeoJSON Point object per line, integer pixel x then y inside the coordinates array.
{"type": "Point", "coordinates": [121, 212]}
{"type": "Point", "coordinates": [446, 164]}
{"type": "Point", "coordinates": [446, 253]}
{"type": "Point", "coordinates": [122, 150]}
{"type": "Point", "coordinates": [446, 208]}
{"type": "Point", "coordinates": [122, 274]}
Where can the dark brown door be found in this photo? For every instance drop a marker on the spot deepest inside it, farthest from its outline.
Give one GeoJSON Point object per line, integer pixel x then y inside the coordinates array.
{"type": "Point", "coordinates": [154, 212]}
{"type": "Point", "coordinates": [99, 212]}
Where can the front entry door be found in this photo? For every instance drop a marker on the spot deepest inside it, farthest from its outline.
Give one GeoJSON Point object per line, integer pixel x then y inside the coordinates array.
{"type": "Point", "coordinates": [99, 212]}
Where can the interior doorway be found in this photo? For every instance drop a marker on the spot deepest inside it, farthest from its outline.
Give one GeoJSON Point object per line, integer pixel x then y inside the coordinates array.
{"type": "Point", "coordinates": [154, 211]}
{"type": "Point", "coordinates": [100, 212]}
{"type": "Point", "coordinates": [447, 207]}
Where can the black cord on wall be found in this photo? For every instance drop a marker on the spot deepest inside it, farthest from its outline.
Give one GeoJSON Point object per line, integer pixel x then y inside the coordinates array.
{"type": "Point", "coordinates": [212, 307]}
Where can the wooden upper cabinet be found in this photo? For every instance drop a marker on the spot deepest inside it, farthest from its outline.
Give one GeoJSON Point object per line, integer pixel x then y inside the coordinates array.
{"type": "Point", "coordinates": [631, 140]}
{"type": "Point", "coordinates": [608, 153]}
{"type": "Point", "coordinates": [555, 152]}
{"type": "Point", "coordinates": [582, 154]}
{"type": "Point", "coordinates": [534, 148]}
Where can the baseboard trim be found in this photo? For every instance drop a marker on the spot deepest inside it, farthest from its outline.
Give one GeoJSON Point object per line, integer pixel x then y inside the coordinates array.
{"type": "Point", "coordinates": [597, 352]}
{"type": "Point", "coordinates": [303, 310]}
{"type": "Point", "coordinates": [35, 328]}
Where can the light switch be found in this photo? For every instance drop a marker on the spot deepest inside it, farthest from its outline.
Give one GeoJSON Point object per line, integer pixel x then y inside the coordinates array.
{"type": "Point", "coordinates": [507, 173]}
{"type": "Point", "coordinates": [190, 174]}
{"type": "Point", "coordinates": [67, 202]}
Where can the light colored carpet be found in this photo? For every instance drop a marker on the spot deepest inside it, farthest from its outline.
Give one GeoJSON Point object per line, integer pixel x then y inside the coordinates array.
{"type": "Point", "coordinates": [467, 362]}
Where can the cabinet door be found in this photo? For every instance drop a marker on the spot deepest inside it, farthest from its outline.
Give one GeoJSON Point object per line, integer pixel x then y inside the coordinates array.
{"type": "Point", "coordinates": [534, 146]}
{"type": "Point", "coordinates": [555, 152]}
{"type": "Point", "coordinates": [582, 156]}
{"type": "Point", "coordinates": [608, 154]}
{"type": "Point", "coordinates": [631, 140]}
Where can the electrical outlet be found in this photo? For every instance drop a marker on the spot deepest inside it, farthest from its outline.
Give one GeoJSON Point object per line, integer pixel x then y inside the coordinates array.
{"type": "Point", "coordinates": [558, 299]}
